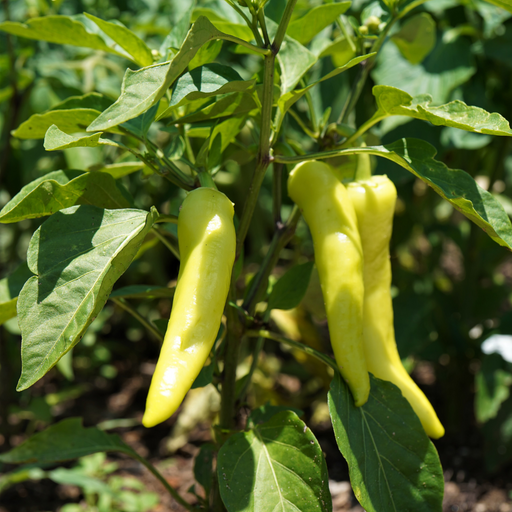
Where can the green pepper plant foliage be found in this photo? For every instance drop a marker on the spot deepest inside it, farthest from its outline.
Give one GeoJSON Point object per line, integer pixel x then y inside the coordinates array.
{"type": "Point", "coordinates": [233, 97]}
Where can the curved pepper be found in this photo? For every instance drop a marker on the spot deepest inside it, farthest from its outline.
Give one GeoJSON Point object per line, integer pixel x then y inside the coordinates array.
{"type": "Point", "coordinates": [207, 240]}
{"type": "Point", "coordinates": [374, 203]}
{"type": "Point", "coordinates": [339, 258]}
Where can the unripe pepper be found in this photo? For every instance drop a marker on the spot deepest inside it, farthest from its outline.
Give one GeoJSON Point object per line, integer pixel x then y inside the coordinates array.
{"type": "Point", "coordinates": [207, 240]}
{"type": "Point", "coordinates": [330, 216]}
{"type": "Point", "coordinates": [374, 203]}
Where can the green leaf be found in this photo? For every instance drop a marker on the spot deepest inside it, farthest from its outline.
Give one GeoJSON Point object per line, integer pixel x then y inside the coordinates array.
{"type": "Point", "coordinates": [456, 114]}
{"type": "Point", "coordinates": [230, 105]}
{"type": "Point", "coordinates": [55, 139]}
{"type": "Point", "coordinates": [278, 465]}
{"type": "Point", "coordinates": [118, 170]}
{"type": "Point", "coordinates": [65, 440]}
{"type": "Point", "coordinates": [206, 82]}
{"type": "Point", "coordinates": [70, 121]}
{"type": "Point", "coordinates": [140, 125]}
{"type": "Point", "coordinates": [416, 37]}
{"type": "Point", "coordinates": [266, 412]}
{"type": "Point", "coordinates": [315, 20]}
{"type": "Point", "coordinates": [143, 88]}
{"type": "Point", "coordinates": [206, 54]}
{"type": "Point", "coordinates": [445, 68]}
{"type": "Point", "coordinates": [126, 39]}
{"type": "Point", "coordinates": [91, 100]}
{"type": "Point", "coordinates": [141, 291]}
{"type": "Point", "coordinates": [203, 466]}
{"type": "Point", "coordinates": [504, 4]}
{"type": "Point", "coordinates": [286, 101]}
{"type": "Point", "coordinates": [454, 185]}
{"type": "Point", "coordinates": [10, 288]}
{"type": "Point", "coordinates": [77, 255]}
{"type": "Point", "coordinates": [492, 387]}
{"type": "Point", "coordinates": [291, 288]}
{"type": "Point", "coordinates": [222, 135]}
{"type": "Point", "coordinates": [393, 465]}
{"type": "Point", "coordinates": [61, 189]}
{"type": "Point", "coordinates": [60, 30]}
{"type": "Point", "coordinates": [174, 40]}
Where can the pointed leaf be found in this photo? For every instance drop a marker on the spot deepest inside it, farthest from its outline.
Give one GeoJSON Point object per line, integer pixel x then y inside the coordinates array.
{"type": "Point", "coordinates": [126, 39]}
{"type": "Point", "coordinates": [77, 256]}
{"type": "Point", "coordinates": [315, 20]}
{"type": "Point", "coordinates": [392, 463]}
{"type": "Point", "coordinates": [222, 135]}
{"type": "Point", "coordinates": [118, 170]}
{"type": "Point", "coordinates": [456, 114]}
{"type": "Point", "coordinates": [91, 100]}
{"type": "Point", "coordinates": [143, 88]}
{"type": "Point", "coordinates": [61, 189]}
{"type": "Point", "coordinates": [140, 125]}
{"type": "Point", "coordinates": [65, 440]}
{"type": "Point", "coordinates": [178, 33]}
{"type": "Point", "coordinates": [278, 465]}
{"type": "Point", "coordinates": [205, 82]}
{"type": "Point", "coordinates": [56, 139]}
{"type": "Point", "coordinates": [60, 30]}
{"type": "Point", "coordinates": [416, 38]}
{"type": "Point", "coordinates": [10, 288]}
{"type": "Point", "coordinates": [291, 288]}
{"type": "Point", "coordinates": [70, 121]}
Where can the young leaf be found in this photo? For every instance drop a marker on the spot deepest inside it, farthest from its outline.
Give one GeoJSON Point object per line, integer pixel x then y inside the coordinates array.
{"type": "Point", "coordinates": [278, 465]}
{"type": "Point", "coordinates": [291, 288]}
{"type": "Point", "coordinates": [10, 288]}
{"type": "Point", "coordinates": [60, 189]}
{"type": "Point", "coordinates": [69, 121]}
{"type": "Point", "coordinates": [416, 38]}
{"type": "Point", "coordinates": [126, 39]}
{"type": "Point", "coordinates": [315, 20]}
{"type": "Point", "coordinates": [60, 30]}
{"type": "Point", "coordinates": [77, 256]}
{"type": "Point", "coordinates": [55, 139]}
{"type": "Point", "coordinates": [492, 387]}
{"type": "Point", "coordinates": [392, 463]}
{"type": "Point", "coordinates": [65, 440]}
{"type": "Point", "coordinates": [205, 82]}
{"type": "Point", "coordinates": [118, 170]}
{"type": "Point", "coordinates": [143, 88]}
{"type": "Point", "coordinates": [456, 114]}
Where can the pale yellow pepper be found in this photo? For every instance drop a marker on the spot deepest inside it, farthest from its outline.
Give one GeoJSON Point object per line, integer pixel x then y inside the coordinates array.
{"type": "Point", "coordinates": [374, 203]}
{"type": "Point", "coordinates": [207, 240]}
{"type": "Point", "coordinates": [330, 216]}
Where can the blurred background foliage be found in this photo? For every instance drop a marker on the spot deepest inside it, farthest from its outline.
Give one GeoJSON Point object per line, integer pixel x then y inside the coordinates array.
{"type": "Point", "coordinates": [451, 283]}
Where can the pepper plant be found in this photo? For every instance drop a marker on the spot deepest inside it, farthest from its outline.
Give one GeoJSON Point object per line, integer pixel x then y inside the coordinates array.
{"type": "Point", "coordinates": [231, 96]}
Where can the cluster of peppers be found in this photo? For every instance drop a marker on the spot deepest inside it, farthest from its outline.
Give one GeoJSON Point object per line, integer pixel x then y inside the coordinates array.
{"type": "Point", "coordinates": [351, 230]}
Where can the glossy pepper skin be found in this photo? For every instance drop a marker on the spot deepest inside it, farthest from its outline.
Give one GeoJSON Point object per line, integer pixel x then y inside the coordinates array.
{"type": "Point", "coordinates": [207, 239]}
{"type": "Point", "coordinates": [330, 216]}
{"type": "Point", "coordinates": [374, 203]}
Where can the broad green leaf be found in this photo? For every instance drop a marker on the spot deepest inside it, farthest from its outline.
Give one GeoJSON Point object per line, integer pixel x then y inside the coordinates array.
{"type": "Point", "coordinates": [228, 22]}
{"type": "Point", "coordinates": [454, 185]}
{"type": "Point", "coordinates": [177, 35]}
{"type": "Point", "coordinates": [60, 189]}
{"type": "Point", "coordinates": [445, 68]}
{"type": "Point", "coordinates": [287, 100]}
{"type": "Point", "coordinates": [278, 465]}
{"type": "Point", "coordinates": [70, 121]}
{"type": "Point", "coordinates": [60, 30]}
{"type": "Point", "coordinates": [140, 125]}
{"type": "Point", "coordinates": [315, 20]}
{"type": "Point", "coordinates": [126, 39]}
{"type": "Point", "coordinates": [393, 466]}
{"type": "Point", "coordinates": [55, 139]}
{"type": "Point", "coordinates": [416, 37]}
{"type": "Point", "coordinates": [10, 288]}
{"type": "Point", "coordinates": [65, 440]}
{"type": "Point", "coordinates": [205, 82]}
{"type": "Point", "coordinates": [203, 466]}
{"type": "Point", "coordinates": [118, 170]}
{"type": "Point", "coordinates": [206, 54]}
{"type": "Point", "coordinates": [493, 383]}
{"type": "Point", "coordinates": [504, 4]}
{"type": "Point", "coordinates": [291, 288]}
{"type": "Point", "coordinates": [143, 88]}
{"type": "Point", "coordinates": [341, 51]}
{"type": "Point", "coordinates": [266, 412]}
{"type": "Point", "coordinates": [140, 291]}
{"type": "Point", "coordinates": [222, 135]}
{"type": "Point", "coordinates": [230, 105]}
{"type": "Point", "coordinates": [91, 100]}
{"type": "Point", "coordinates": [76, 255]}
{"type": "Point", "coordinates": [456, 114]}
